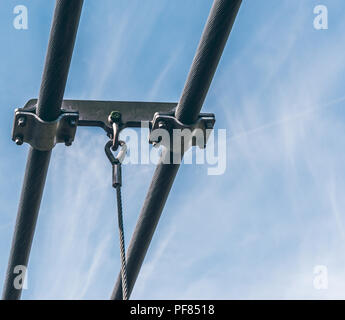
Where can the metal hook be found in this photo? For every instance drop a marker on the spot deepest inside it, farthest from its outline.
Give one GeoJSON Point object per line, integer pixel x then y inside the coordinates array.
{"type": "Point", "coordinates": [115, 120]}
{"type": "Point", "coordinates": [116, 132]}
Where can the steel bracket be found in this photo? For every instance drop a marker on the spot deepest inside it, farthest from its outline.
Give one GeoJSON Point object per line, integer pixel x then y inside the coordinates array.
{"type": "Point", "coordinates": [196, 134]}
{"type": "Point", "coordinates": [44, 135]}
{"type": "Point", "coordinates": [93, 113]}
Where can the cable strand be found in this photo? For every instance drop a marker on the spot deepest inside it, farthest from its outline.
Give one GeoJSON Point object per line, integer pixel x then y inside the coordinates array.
{"type": "Point", "coordinates": [122, 244]}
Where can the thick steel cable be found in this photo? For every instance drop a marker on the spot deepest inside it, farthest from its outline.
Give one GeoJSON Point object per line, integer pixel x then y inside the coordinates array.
{"type": "Point", "coordinates": [206, 59]}
{"type": "Point", "coordinates": [60, 48]}
{"type": "Point", "coordinates": [58, 59]}
{"type": "Point", "coordinates": [209, 51]}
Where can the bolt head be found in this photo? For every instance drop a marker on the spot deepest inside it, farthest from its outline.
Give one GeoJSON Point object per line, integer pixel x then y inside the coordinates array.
{"type": "Point", "coordinates": [209, 125]}
{"type": "Point", "coordinates": [156, 142]}
{"type": "Point", "coordinates": [72, 122]}
{"type": "Point", "coordinates": [21, 121]}
{"type": "Point", "coordinates": [19, 140]}
{"type": "Point", "coordinates": [114, 117]}
{"type": "Point", "coordinates": [162, 125]}
{"type": "Point", "coordinates": [68, 141]}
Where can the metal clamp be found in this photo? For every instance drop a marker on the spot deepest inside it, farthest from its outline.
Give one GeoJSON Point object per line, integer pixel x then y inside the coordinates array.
{"type": "Point", "coordinates": [44, 135]}
{"type": "Point", "coordinates": [197, 134]}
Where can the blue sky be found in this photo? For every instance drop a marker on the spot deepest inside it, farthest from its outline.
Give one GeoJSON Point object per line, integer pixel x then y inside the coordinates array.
{"type": "Point", "coordinates": [256, 232]}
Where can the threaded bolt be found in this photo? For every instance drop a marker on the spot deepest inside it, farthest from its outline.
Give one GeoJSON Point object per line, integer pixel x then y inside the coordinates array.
{"type": "Point", "coordinates": [72, 122]}
{"type": "Point", "coordinates": [21, 121]}
{"type": "Point", "coordinates": [209, 125]}
{"type": "Point", "coordinates": [162, 125]}
{"type": "Point", "coordinates": [68, 141]}
{"type": "Point", "coordinates": [19, 140]}
{"type": "Point", "coordinates": [114, 117]}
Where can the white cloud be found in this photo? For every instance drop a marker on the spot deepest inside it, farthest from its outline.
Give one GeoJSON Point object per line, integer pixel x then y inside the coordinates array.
{"type": "Point", "coordinates": [258, 231]}
{"type": "Point", "coordinates": [255, 232]}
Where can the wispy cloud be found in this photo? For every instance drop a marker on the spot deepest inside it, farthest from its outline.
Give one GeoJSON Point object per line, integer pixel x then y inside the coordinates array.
{"type": "Point", "coordinates": [258, 231]}
{"type": "Point", "coordinates": [78, 228]}
{"type": "Point", "coordinates": [255, 232]}
{"type": "Point", "coordinates": [114, 54]}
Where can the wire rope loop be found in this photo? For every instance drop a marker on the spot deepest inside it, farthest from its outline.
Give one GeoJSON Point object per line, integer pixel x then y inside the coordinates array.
{"type": "Point", "coordinates": [118, 159]}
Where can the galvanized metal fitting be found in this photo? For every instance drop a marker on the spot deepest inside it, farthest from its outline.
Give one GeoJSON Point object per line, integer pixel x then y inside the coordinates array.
{"type": "Point", "coordinates": [114, 117]}
{"type": "Point", "coordinates": [168, 121]}
{"type": "Point", "coordinates": [114, 120]}
{"type": "Point", "coordinates": [43, 135]}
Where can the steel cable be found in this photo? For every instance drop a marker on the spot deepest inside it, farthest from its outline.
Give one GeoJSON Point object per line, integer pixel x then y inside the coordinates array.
{"type": "Point", "coordinates": [122, 244]}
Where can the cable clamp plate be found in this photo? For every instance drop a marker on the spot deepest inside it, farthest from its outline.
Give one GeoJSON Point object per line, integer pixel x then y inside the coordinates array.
{"type": "Point", "coordinates": [197, 134]}
{"type": "Point", "coordinates": [44, 135]}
